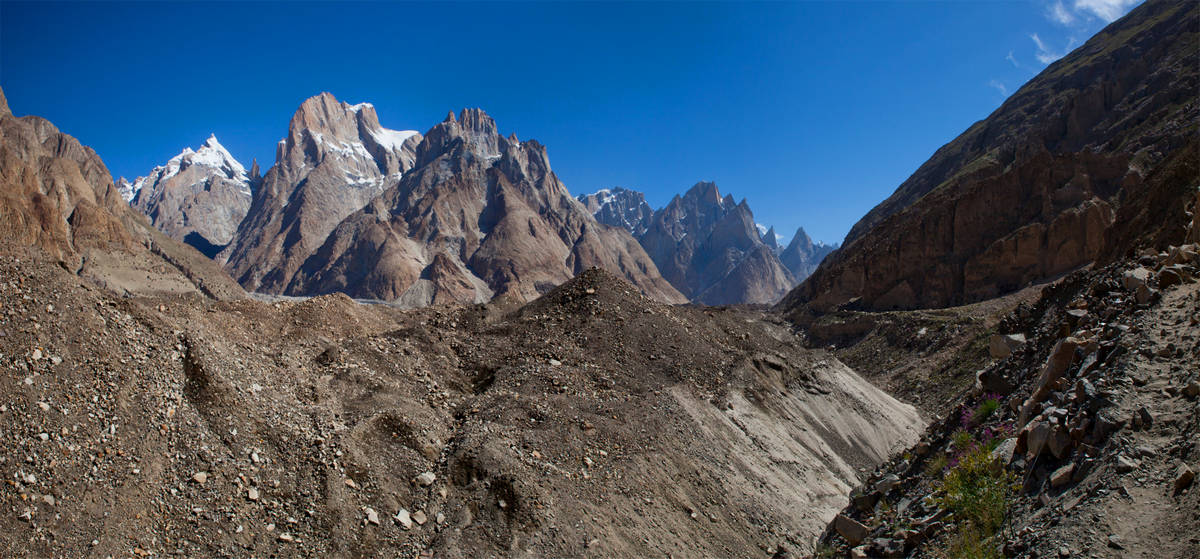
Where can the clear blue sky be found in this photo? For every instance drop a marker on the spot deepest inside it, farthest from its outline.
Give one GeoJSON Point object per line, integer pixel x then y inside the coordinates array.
{"type": "Point", "coordinates": [814, 111]}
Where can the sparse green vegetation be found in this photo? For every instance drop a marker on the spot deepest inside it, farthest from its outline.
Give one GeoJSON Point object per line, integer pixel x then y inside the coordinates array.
{"type": "Point", "coordinates": [962, 440]}
{"type": "Point", "coordinates": [936, 465]}
{"type": "Point", "coordinates": [976, 489]}
{"type": "Point", "coordinates": [985, 410]}
{"type": "Point", "coordinates": [971, 543]}
{"type": "Point", "coordinates": [825, 551]}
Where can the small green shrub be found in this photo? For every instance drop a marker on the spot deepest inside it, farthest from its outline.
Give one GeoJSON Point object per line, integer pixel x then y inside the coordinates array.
{"type": "Point", "coordinates": [985, 410]}
{"type": "Point", "coordinates": [977, 489]}
{"type": "Point", "coordinates": [936, 465]}
{"type": "Point", "coordinates": [963, 441]}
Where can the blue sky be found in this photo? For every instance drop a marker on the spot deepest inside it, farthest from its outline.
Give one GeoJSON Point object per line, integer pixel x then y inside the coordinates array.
{"type": "Point", "coordinates": [814, 111]}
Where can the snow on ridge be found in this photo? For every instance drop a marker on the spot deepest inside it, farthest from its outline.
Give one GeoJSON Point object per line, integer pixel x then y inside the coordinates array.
{"type": "Point", "coordinates": [126, 189]}
{"type": "Point", "coordinates": [392, 139]}
{"type": "Point", "coordinates": [214, 154]}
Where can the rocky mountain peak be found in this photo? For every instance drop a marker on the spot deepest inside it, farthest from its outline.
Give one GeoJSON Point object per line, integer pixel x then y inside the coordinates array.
{"type": "Point", "coordinates": [711, 250]}
{"type": "Point", "coordinates": [802, 255]}
{"type": "Point", "coordinates": [474, 131]}
{"type": "Point", "coordinates": [255, 173]}
{"type": "Point", "coordinates": [801, 239]}
{"type": "Point", "coordinates": [324, 113]}
{"type": "Point", "coordinates": [4, 104]}
{"type": "Point", "coordinates": [213, 154]}
{"type": "Point", "coordinates": [335, 159]}
{"type": "Point", "coordinates": [325, 127]}
{"type": "Point", "coordinates": [771, 239]}
{"type": "Point", "coordinates": [198, 197]}
{"type": "Point", "coordinates": [479, 216]}
{"type": "Point", "coordinates": [619, 207]}
{"type": "Point", "coordinates": [705, 192]}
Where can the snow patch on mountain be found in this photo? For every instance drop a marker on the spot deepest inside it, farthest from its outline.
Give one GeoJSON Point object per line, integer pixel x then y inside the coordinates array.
{"type": "Point", "coordinates": [392, 139]}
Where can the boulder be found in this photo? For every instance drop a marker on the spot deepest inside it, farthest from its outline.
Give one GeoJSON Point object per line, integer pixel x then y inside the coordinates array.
{"type": "Point", "coordinates": [1003, 345]}
{"type": "Point", "coordinates": [1125, 464]}
{"type": "Point", "coordinates": [1106, 424]}
{"type": "Point", "coordinates": [1135, 278]}
{"type": "Point", "coordinates": [1192, 390]}
{"type": "Point", "coordinates": [1056, 366]}
{"type": "Point", "coordinates": [865, 502]}
{"type": "Point", "coordinates": [1062, 476]}
{"type": "Point", "coordinates": [1003, 452]}
{"type": "Point", "coordinates": [852, 530]}
{"type": "Point", "coordinates": [1144, 295]}
{"type": "Point", "coordinates": [1059, 442]}
{"type": "Point", "coordinates": [1184, 476]}
{"type": "Point", "coordinates": [1039, 435]}
{"type": "Point", "coordinates": [1168, 277]}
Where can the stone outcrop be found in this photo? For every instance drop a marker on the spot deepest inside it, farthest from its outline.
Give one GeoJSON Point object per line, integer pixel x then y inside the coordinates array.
{"type": "Point", "coordinates": [709, 248]}
{"type": "Point", "coordinates": [1031, 192]}
{"type": "Point", "coordinates": [198, 197]}
{"type": "Point", "coordinates": [479, 216]}
{"type": "Point", "coordinates": [335, 159]}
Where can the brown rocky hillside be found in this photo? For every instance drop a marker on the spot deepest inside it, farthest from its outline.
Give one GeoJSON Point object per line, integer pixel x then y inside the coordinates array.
{"type": "Point", "coordinates": [1030, 192]}
{"type": "Point", "coordinates": [57, 195]}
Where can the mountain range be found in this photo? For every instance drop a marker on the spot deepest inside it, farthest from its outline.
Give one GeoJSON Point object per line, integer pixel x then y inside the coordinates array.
{"type": "Point", "coordinates": [708, 246]}
{"type": "Point", "coordinates": [459, 214]}
{"type": "Point", "coordinates": [1032, 289]}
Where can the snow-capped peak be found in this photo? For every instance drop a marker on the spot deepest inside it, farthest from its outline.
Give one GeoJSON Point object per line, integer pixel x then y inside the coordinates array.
{"type": "Point", "coordinates": [605, 196]}
{"type": "Point", "coordinates": [212, 154]}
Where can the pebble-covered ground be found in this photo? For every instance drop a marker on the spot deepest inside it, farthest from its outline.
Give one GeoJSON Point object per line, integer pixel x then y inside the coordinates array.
{"type": "Point", "coordinates": [591, 422]}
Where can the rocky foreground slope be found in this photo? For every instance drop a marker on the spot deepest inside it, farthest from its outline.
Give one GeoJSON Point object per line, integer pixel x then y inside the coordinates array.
{"type": "Point", "coordinates": [1081, 439]}
{"type": "Point", "coordinates": [590, 422]}
{"type": "Point", "coordinates": [1030, 193]}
